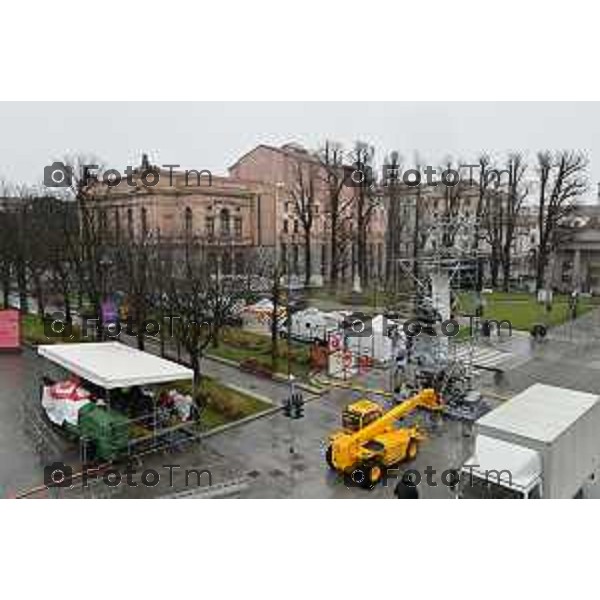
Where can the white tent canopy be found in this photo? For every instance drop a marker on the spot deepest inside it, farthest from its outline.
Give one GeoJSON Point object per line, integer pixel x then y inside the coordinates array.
{"type": "Point", "coordinates": [112, 365]}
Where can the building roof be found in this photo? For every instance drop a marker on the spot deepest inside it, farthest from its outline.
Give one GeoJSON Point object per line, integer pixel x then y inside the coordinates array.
{"type": "Point", "coordinates": [112, 365]}
{"type": "Point", "coordinates": [291, 150]}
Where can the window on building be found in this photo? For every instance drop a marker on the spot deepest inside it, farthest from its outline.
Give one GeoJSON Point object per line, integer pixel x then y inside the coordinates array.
{"type": "Point", "coordinates": [117, 225]}
{"type": "Point", "coordinates": [285, 226]}
{"type": "Point", "coordinates": [130, 222]}
{"type": "Point", "coordinates": [295, 225]}
{"type": "Point", "coordinates": [144, 222]}
{"type": "Point", "coordinates": [210, 226]}
{"type": "Point", "coordinates": [295, 257]}
{"type": "Point", "coordinates": [226, 263]}
{"type": "Point", "coordinates": [239, 263]}
{"type": "Point", "coordinates": [213, 261]}
{"type": "Point", "coordinates": [103, 220]}
{"type": "Point", "coordinates": [237, 227]}
{"type": "Point", "coordinates": [188, 220]}
{"type": "Point", "coordinates": [225, 222]}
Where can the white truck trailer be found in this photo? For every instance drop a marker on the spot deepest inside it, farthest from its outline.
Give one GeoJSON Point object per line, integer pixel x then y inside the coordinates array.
{"type": "Point", "coordinates": [543, 443]}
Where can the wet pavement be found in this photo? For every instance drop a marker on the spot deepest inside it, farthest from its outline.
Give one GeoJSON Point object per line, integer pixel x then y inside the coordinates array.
{"type": "Point", "coordinates": [26, 442]}
{"type": "Point", "coordinates": [275, 457]}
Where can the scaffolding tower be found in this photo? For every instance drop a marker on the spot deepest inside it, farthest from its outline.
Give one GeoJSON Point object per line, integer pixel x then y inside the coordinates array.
{"type": "Point", "coordinates": [445, 259]}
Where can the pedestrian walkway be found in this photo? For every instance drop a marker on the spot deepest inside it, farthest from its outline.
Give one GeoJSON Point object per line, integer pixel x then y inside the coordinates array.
{"type": "Point", "coordinates": [489, 357]}
{"type": "Point", "coordinates": [578, 330]}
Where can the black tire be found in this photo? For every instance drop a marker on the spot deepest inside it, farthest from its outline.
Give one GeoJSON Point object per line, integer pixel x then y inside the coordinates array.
{"type": "Point", "coordinates": [539, 331]}
{"type": "Point", "coordinates": [364, 476]}
{"type": "Point", "coordinates": [329, 457]}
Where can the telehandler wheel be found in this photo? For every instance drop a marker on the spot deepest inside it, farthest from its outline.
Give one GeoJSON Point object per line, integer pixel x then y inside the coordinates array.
{"type": "Point", "coordinates": [366, 476]}
{"type": "Point", "coordinates": [329, 457]}
{"type": "Point", "coordinates": [411, 449]}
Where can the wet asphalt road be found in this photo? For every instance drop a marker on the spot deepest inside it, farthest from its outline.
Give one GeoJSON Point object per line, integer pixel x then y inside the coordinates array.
{"type": "Point", "coordinates": [26, 444]}
{"type": "Point", "coordinates": [274, 457]}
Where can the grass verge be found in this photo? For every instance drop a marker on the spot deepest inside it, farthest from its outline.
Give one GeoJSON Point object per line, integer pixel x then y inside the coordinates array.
{"type": "Point", "coordinates": [32, 330]}
{"type": "Point", "coordinates": [222, 404]}
{"type": "Point", "coordinates": [239, 345]}
{"type": "Point", "coordinates": [523, 310]}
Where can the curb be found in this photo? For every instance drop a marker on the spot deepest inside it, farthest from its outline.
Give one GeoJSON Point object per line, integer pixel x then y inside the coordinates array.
{"type": "Point", "coordinates": [277, 377]}
{"type": "Point", "coordinates": [252, 394]}
{"type": "Point", "coordinates": [222, 428]}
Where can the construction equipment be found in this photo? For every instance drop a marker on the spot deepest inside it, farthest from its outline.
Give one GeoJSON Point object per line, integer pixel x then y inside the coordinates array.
{"type": "Point", "coordinates": [370, 441]}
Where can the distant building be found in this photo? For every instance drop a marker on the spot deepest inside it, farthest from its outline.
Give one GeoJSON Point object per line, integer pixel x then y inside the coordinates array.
{"type": "Point", "coordinates": [227, 215]}
{"type": "Point", "coordinates": [282, 167]}
{"type": "Point", "coordinates": [575, 264]}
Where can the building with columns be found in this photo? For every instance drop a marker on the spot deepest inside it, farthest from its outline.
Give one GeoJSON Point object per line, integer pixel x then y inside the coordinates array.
{"type": "Point", "coordinates": [575, 264]}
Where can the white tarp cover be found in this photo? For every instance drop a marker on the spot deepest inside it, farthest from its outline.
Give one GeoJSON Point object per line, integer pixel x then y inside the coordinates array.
{"type": "Point", "coordinates": [312, 323]}
{"type": "Point", "coordinates": [257, 317]}
{"type": "Point", "coordinates": [112, 365]}
{"type": "Point", "coordinates": [63, 400]}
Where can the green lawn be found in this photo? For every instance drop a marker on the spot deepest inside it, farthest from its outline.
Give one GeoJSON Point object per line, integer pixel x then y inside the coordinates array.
{"type": "Point", "coordinates": [32, 328]}
{"type": "Point", "coordinates": [222, 404]}
{"type": "Point", "coordinates": [239, 345]}
{"type": "Point", "coordinates": [368, 297]}
{"type": "Point", "coordinates": [522, 309]}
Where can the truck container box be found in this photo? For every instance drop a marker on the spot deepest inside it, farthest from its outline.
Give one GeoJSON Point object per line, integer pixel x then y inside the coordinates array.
{"type": "Point", "coordinates": [562, 425]}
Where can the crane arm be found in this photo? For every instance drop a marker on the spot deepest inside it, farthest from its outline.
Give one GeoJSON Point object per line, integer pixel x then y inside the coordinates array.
{"type": "Point", "coordinates": [427, 398]}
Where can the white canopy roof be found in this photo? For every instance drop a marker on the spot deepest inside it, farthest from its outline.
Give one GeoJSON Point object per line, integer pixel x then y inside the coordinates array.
{"type": "Point", "coordinates": [113, 365]}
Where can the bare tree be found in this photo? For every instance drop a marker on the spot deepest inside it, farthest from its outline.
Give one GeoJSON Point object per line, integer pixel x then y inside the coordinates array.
{"type": "Point", "coordinates": [337, 211]}
{"type": "Point", "coordinates": [366, 200]}
{"type": "Point", "coordinates": [185, 297]}
{"type": "Point", "coordinates": [562, 179]}
{"type": "Point", "coordinates": [8, 241]}
{"type": "Point", "coordinates": [480, 215]}
{"type": "Point", "coordinates": [134, 253]}
{"type": "Point", "coordinates": [91, 249]}
{"type": "Point", "coordinates": [493, 206]}
{"type": "Point", "coordinates": [395, 223]}
{"type": "Point", "coordinates": [303, 193]}
{"type": "Point", "coordinates": [516, 194]}
{"type": "Point", "coordinates": [451, 220]}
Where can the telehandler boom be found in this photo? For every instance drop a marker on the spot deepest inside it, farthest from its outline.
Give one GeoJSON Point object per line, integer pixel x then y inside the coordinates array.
{"type": "Point", "coordinates": [369, 442]}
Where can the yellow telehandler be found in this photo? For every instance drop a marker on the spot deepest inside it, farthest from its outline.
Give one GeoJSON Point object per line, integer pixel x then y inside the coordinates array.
{"type": "Point", "coordinates": [369, 442]}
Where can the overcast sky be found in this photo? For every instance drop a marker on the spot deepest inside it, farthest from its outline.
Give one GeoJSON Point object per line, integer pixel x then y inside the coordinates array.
{"type": "Point", "coordinates": [211, 135]}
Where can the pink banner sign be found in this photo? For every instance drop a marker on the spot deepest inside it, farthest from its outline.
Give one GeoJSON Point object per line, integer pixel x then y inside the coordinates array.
{"type": "Point", "coordinates": [10, 330]}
